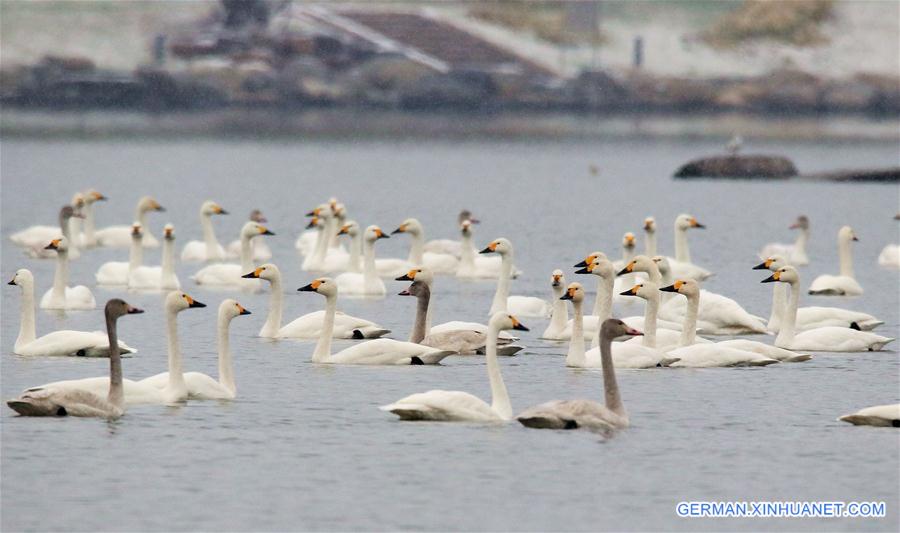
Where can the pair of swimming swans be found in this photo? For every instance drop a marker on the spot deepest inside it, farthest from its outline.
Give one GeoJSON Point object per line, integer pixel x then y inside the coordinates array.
{"type": "Point", "coordinates": [60, 401]}
{"type": "Point", "coordinates": [231, 274]}
{"type": "Point", "coordinates": [209, 248]}
{"type": "Point", "coordinates": [134, 273]}
{"type": "Point", "coordinates": [56, 343]}
{"type": "Point", "coordinates": [61, 296]}
{"type": "Point", "coordinates": [309, 325]}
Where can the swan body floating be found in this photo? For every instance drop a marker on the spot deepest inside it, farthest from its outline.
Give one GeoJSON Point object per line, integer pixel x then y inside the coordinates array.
{"type": "Point", "coordinates": [161, 277]}
{"type": "Point", "coordinates": [199, 385]}
{"type": "Point", "coordinates": [209, 248]}
{"type": "Point", "coordinates": [118, 272]}
{"type": "Point", "coordinates": [61, 296]}
{"type": "Point", "coordinates": [457, 406]}
{"type": "Point", "coordinates": [372, 352]}
{"type": "Point", "coordinates": [879, 415]}
{"type": "Point", "coordinates": [120, 236]}
{"type": "Point", "coordinates": [890, 257]}
{"type": "Point", "coordinates": [843, 284]}
{"type": "Point", "coordinates": [439, 263]}
{"type": "Point", "coordinates": [141, 392]}
{"type": "Point", "coordinates": [310, 325]}
{"type": "Point", "coordinates": [366, 283]}
{"type": "Point", "coordinates": [588, 414]}
{"type": "Point", "coordinates": [681, 264]}
{"type": "Point", "coordinates": [811, 317]}
{"type": "Point", "coordinates": [261, 251]}
{"type": "Point", "coordinates": [49, 401]}
{"type": "Point", "coordinates": [37, 249]}
{"type": "Point", "coordinates": [826, 339]}
{"type": "Point", "coordinates": [794, 254]}
{"type": "Point", "coordinates": [230, 274]}
{"type": "Point", "coordinates": [57, 343]}
{"type": "Point", "coordinates": [503, 302]}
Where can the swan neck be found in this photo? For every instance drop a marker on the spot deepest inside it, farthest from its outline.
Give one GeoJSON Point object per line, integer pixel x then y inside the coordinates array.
{"type": "Point", "coordinates": [168, 259]}
{"type": "Point", "coordinates": [323, 346]}
{"type": "Point", "coordinates": [610, 386]}
{"type": "Point", "coordinates": [467, 252]}
{"type": "Point", "coordinates": [603, 304]}
{"type": "Point", "coordinates": [576, 356]}
{"type": "Point", "coordinates": [416, 248]}
{"type": "Point", "coordinates": [116, 395]}
{"type": "Point", "coordinates": [846, 257]}
{"type": "Point", "coordinates": [370, 275]}
{"type": "Point", "coordinates": [420, 328]}
{"type": "Point", "coordinates": [682, 253]}
{"type": "Point", "coordinates": [89, 237]}
{"type": "Point", "coordinates": [650, 244]}
{"type": "Point", "coordinates": [276, 309]}
{"type": "Point", "coordinates": [650, 311]}
{"type": "Point", "coordinates": [176, 372]}
{"type": "Point", "coordinates": [499, 396]}
{"type": "Point", "coordinates": [560, 315]}
{"type": "Point", "coordinates": [778, 304]}
{"type": "Point", "coordinates": [689, 328]}
{"type": "Point", "coordinates": [226, 370]}
{"type": "Point", "coordinates": [135, 254]}
{"type": "Point", "coordinates": [26, 318]}
{"type": "Point", "coordinates": [800, 243]}
{"type": "Point", "coordinates": [61, 276]}
{"type": "Point", "coordinates": [321, 246]}
{"type": "Point", "coordinates": [355, 264]}
{"type": "Point", "coordinates": [502, 294]}
{"type": "Point", "coordinates": [246, 254]}
{"type": "Point", "coordinates": [209, 236]}
{"type": "Point", "coordinates": [789, 320]}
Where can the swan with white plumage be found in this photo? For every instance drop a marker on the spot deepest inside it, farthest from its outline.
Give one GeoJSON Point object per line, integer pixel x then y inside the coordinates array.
{"type": "Point", "coordinates": [794, 254]}
{"type": "Point", "coordinates": [230, 274]}
{"type": "Point", "coordinates": [120, 236]}
{"type": "Point", "coordinates": [503, 302]}
{"type": "Point", "coordinates": [61, 296]}
{"type": "Point", "coordinates": [209, 248]}
{"type": "Point", "coordinates": [844, 284]}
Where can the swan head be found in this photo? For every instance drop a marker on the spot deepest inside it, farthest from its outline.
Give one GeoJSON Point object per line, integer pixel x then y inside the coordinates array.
{"type": "Point", "coordinates": [628, 241]}
{"type": "Point", "coordinates": [785, 274]}
{"type": "Point", "coordinates": [422, 274]}
{"type": "Point", "coordinates": [846, 234]}
{"type": "Point", "coordinates": [78, 201]}
{"type": "Point", "coordinates": [687, 287]}
{"type": "Point", "coordinates": [61, 245]}
{"type": "Point", "coordinates": [169, 232]}
{"type": "Point", "coordinates": [411, 226]}
{"type": "Point", "coordinates": [177, 301]}
{"type": "Point", "coordinates": [230, 308]}
{"type": "Point", "coordinates": [640, 263]}
{"type": "Point", "coordinates": [574, 292]}
{"type": "Point", "coordinates": [351, 228]}
{"type": "Point", "coordinates": [685, 221]}
{"type": "Point", "coordinates": [613, 328]}
{"type": "Point", "coordinates": [650, 225]}
{"type": "Point", "coordinates": [373, 233]}
{"type": "Point", "coordinates": [557, 279]}
{"type": "Point", "coordinates": [118, 307]}
{"type": "Point", "coordinates": [504, 321]}
{"type": "Point", "coordinates": [315, 222]}
{"type": "Point", "coordinates": [772, 263]}
{"type": "Point", "coordinates": [590, 259]}
{"type": "Point", "coordinates": [418, 289]}
{"type": "Point", "coordinates": [802, 222]}
{"type": "Point", "coordinates": [662, 263]}
{"type": "Point", "coordinates": [500, 246]}
{"type": "Point", "coordinates": [340, 211]}
{"type": "Point", "coordinates": [324, 286]}
{"type": "Point", "coordinates": [91, 196]}
{"type": "Point", "coordinates": [466, 215]}
{"type": "Point", "coordinates": [254, 229]}
{"type": "Point", "coordinates": [257, 216]}
{"type": "Point", "coordinates": [68, 212]}
{"type": "Point", "coordinates": [268, 272]}
{"type": "Point", "coordinates": [600, 266]}
{"type": "Point", "coordinates": [646, 290]}
{"type": "Point", "coordinates": [211, 208]}
{"type": "Point", "coordinates": [147, 203]}
{"type": "Point", "coordinates": [465, 227]}
{"type": "Point", "coordinates": [23, 278]}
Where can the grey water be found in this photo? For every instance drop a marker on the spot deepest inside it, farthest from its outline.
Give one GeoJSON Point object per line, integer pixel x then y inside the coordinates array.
{"type": "Point", "coordinates": [304, 446]}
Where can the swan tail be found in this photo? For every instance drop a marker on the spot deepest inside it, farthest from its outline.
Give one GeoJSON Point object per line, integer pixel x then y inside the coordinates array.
{"type": "Point", "coordinates": [432, 358]}
{"type": "Point", "coordinates": [799, 358]}
{"type": "Point", "coordinates": [31, 407]}
{"type": "Point", "coordinates": [868, 325]}
{"type": "Point", "coordinates": [668, 361]}
{"type": "Point", "coordinates": [509, 350]}
{"type": "Point", "coordinates": [763, 362]}
{"type": "Point", "coordinates": [877, 346]}
{"type": "Point", "coordinates": [370, 333]}
{"type": "Point", "coordinates": [862, 420]}
{"type": "Point", "coordinates": [410, 411]}
{"type": "Point", "coordinates": [537, 421]}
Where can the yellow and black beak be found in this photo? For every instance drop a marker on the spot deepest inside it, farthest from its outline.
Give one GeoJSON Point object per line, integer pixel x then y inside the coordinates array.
{"type": "Point", "coordinates": [134, 310]}
{"type": "Point", "coordinates": [631, 292]}
{"type": "Point", "coordinates": [313, 213]}
{"type": "Point", "coordinates": [764, 265]}
{"type": "Point", "coordinates": [243, 311]}
{"type": "Point", "coordinates": [157, 207]}
{"type": "Point", "coordinates": [254, 274]}
{"type": "Point", "coordinates": [312, 287]}
{"type": "Point", "coordinates": [588, 269]}
{"type": "Point", "coordinates": [344, 229]}
{"type": "Point", "coordinates": [518, 325]}
{"type": "Point", "coordinates": [99, 197]}
{"type": "Point", "coordinates": [220, 211]}
{"type": "Point", "coordinates": [776, 276]}
{"type": "Point", "coordinates": [556, 279]}
{"type": "Point", "coordinates": [855, 238]}
{"type": "Point", "coordinates": [400, 229]}
{"type": "Point", "coordinates": [409, 276]}
{"type": "Point", "coordinates": [54, 245]}
{"type": "Point", "coordinates": [695, 224]}
{"type": "Point", "coordinates": [587, 261]}
{"type": "Point", "coordinates": [628, 269]}
{"type": "Point", "coordinates": [489, 249]}
{"type": "Point", "coordinates": [313, 223]}
{"type": "Point", "coordinates": [673, 287]}
{"type": "Point", "coordinates": [12, 281]}
{"type": "Point", "coordinates": [193, 303]}
{"type": "Point", "coordinates": [570, 293]}
{"type": "Point", "coordinates": [265, 231]}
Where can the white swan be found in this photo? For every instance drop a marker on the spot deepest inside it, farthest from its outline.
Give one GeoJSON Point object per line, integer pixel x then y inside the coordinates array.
{"type": "Point", "coordinates": [157, 277]}
{"type": "Point", "coordinates": [354, 261]}
{"type": "Point", "coordinates": [449, 246]}
{"type": "Point", "coordinates": [650, 268]}
{"type": "Point", "coordinates": [439, 263]}
{"type": "Point", "coordinates": [209, 248]}
{"type": "Point", "coordinates": [366, 283]}
{"type": "Point", "coordinates": [624, 354]}
{"type": "Point", "coordinates": [663, 340]}
{"type": "Point", "coordinates": [503, 302]}
{"type": "Point", "coordinates": [120, 236]}
{"type": "Point", "coordinates": [38, 250]}
{"type": "Point", "coordinates": [650, 236]}
{"type": "Point", "coordinates": [75, 230]}
{"type": "Point", "coordinates": [473, 265]}
{"type": "Point", "coordinates": [199, 385]}
{"type": "Point", "coordinates": [844, 284]}
{"type": "Point", "coordinates": [63, 402]}
{"type": "Point", "coordinates": [61, 296]}
{"type": "Point", "coordinates": [373, 352]}
{"type": "Point", "coordinates": [261, 250]}
{"type": "Point", "coordinates": [573, 414]}
{"type": "Point", "coordinates": [457, 406]}
{"type": "Point", "coordinates": [559, 314]}
{"type": "Point", "coordinates": [138, 392]}
{"type": "Point", "coordinates": [681, 264]}
{"type": "Point", "coordinates": [308, 326]}
{"type": "Point", "coordinates": [89, 229]}
{"type": "Point", "coordinates": [826, 339]}
{"type": "Point", "coordinates": [324, 258]}
{"type": "Point", "coordinates": [701, 355]}
{"type": "Point", "coordinates": [229, 274]}
{"type": "Point", "coordinates": [890, 257]}
{"type": "Point", "coordinates": [794, 254]}
{"type": "Point", "coordinates": [116, 272]}
{"type": "Point", "coordinates": [811, 317]}
{"type": "Point", "coordinates": [878, 415]}
{"type": "Point", "coordinates": [57, 343]}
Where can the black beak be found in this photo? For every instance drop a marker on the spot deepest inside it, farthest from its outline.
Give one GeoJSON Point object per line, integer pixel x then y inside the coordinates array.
{"type": "Point", "coordinates": [404, 277]}
{"type": "Point", "coordinates": [160, 209]}
{"type": "Point", "coordinates": [50, 246]}
{"type": "Point", "coordinates": [311, 224]}
{"type": "Point", "coordinates": [134, 310]}
{"type": "Point", "coordinates": [520, 327]}
{"type": "Point", "coordinates": [699, 225]}
{"type": "Point", "coordinates": [770, 279]}
{"type": "Point", "coordinates": [245, 312]}
{"type": "Point", "coordinates": [670, 288]}
{"type": "Point", "coordinates": [855, 238]}
{"type": "Point", "coordinates": [223, 212]}
{"type": "Point", "coordinates": [398, 230]}
{"type": "Point", "coordinates": [311, 213]}
{"type": "Point", "coordinates": [761, 266]}
{"type": "Point", "coordinates": [581, 264]}
{"type": "Point", "coordinates": [267, 232]}
{"type": "Point", "coordinates": [623, 271]}
{"type": "Point", "coordinates": [384, 236]}
{"type": "Point", "coordinates": [307, 288]}
{"type": "Point", "coordinates": [583, 271]}
{"type": "Point", "coordinates": [486, 251]}
{"type": "Point", "coordinates": [12, 282]}
{"type": "Point", "coordinates": [404, 292]}
{"type": "Point", "coordinates": [251, 275]}
{"type": "Point", "coordinates": [566, 296]}
{"type": "Point", "coordinates": [195, 303]}
{"type": "Point", "coordinates": [627, 293]}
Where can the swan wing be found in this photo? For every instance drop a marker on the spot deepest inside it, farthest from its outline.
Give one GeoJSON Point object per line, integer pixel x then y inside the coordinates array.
{"type": "Point", "coordinates": [72, 343]}
{"type": "Point", "coordinates": [528, 306]}
{"type": "Point", "coordinates": [387, 352]}
{"type": "Point", "coordinates": [60, 402]}
{"type": "Point", "coordinates": [145, 277]}
{"type": "Point", "coordinates": [474, 326]}
{"type": "Point", "coordinates": [224, 274]}
{"type": "Point", "coordinates": [135, 392]}
{"type": "Point", "coordinates": [441, 405]}
{"type": "Point", "coordinates": [718, 315]}
{"type": "Point", "coordinates": [440, 263]}
{"type": "Point", "coordinates": [890, 257]}
{"type": "Point", "coordinates": [572, 414]}
{"type": "Point", "coordinates": [345, 327]}
{"type": "Point", "coordinates": [444, 246]}
{"type": "Point", "coordinates": [815, 316]}
{"type": "Point", "coordinates": [838, 339]}
{"type": "Point", "coordinates": [120, 237]}
{"type": "Point", "coordinates": [828, 285]}
{"type": "Point", "coordinates": [112, 273]}
{"type": "Point", "coordinates": [195, 251]}
{"type": "Point", "coordinates": [35, 236]}
{"type": "Point", "coordinates": [767, 350]}
{"type": "Point", "coordinates": [715, 355]}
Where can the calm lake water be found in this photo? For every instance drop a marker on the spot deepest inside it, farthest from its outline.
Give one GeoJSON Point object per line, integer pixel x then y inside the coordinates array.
{"type": "Point", "coordinates": [304, 446]}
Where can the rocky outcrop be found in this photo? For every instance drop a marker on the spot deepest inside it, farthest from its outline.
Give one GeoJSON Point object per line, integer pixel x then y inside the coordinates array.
{"type": "Point", "coordinates": [739, 166]}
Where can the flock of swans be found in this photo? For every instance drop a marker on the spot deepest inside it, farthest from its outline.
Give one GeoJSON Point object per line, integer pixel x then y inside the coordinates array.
{"type": "Point", "coordinates": [674, 331]}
